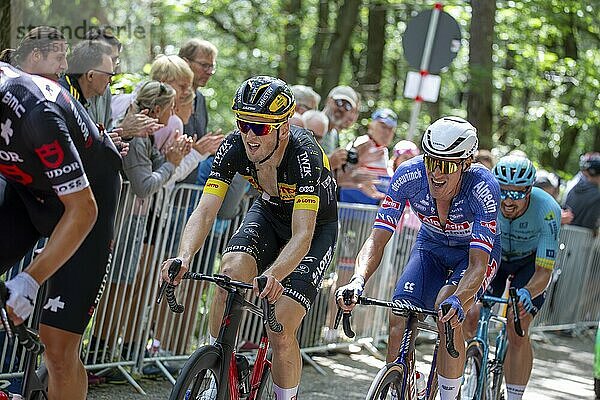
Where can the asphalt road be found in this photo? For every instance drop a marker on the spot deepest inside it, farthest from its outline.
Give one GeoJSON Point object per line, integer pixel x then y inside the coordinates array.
{"type": "Point", "coordinates": [562, 370]}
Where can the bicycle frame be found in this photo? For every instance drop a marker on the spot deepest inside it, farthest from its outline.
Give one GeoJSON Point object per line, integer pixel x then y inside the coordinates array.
{"type": "Point", "coordinates": [232, 316]}
{"type": "Point", "coordinates": [482, 338]}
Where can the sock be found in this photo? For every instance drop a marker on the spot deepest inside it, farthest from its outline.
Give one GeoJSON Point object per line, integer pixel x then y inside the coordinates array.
{"type": "Point", "coordinates": [449, 387]}
{"type": "Point", "coordinates": [285, 394]}
{"type": "Point", "coordinates": [514, 392]}
{"type": "Point", "coordinates": [211, 339]}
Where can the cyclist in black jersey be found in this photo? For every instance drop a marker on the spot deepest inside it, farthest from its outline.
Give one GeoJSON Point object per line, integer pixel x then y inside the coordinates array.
{"type": "Point", "coordinates": [58, 179]}
{"type": "Point", "coordinates": [289, 232]}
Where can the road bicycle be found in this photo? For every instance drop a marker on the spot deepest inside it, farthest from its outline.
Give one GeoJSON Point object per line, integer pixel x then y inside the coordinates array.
{"type": "Point", "coordinates": [217, 372]}
{"type": "Point", "coordinates": [482, 377]}
{"type": "Point", "coordinates": [35, 384]}
{"type": "Point", "coordinates": [397, 380]}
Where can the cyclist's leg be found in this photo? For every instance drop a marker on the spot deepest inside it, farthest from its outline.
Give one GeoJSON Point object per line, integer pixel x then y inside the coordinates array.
{"type": "Point", "coordinates": [421, 279]}
{"type": "Point", "coordinates": [251, 249]}
{"type": "Point", "coordinates": [519, 354]}
{"type": "Point", "coordinates": [300, 290]}
{"type": "Point", "coordinates": [73, 293]}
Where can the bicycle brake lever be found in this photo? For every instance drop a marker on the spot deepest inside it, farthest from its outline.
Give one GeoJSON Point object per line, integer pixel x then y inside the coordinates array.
{"type": "Point", "coordinates": [449, 333]}
{"type": "Point", "coordinates": [514, 300]}
{"type": "Point", "coordinates": [174, 269]}
{"type": "Point", "coordinates": [268, 308]}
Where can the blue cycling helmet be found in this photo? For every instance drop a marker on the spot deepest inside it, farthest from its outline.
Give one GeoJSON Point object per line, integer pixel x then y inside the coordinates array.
{"type": "Point", "coordinates": [514, 170]}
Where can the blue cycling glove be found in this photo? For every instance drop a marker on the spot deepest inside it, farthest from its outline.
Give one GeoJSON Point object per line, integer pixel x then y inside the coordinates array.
{"type": "Point", "coordinates": [457, 305]}
{"type": "Point", "coordinates": [525, 299]}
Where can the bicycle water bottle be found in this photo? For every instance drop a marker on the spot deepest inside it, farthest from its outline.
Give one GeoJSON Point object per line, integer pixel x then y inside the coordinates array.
{"type": "Point", "coordinates": [421, 385]}
{"type": "Point", "coordinates": [243, 367]}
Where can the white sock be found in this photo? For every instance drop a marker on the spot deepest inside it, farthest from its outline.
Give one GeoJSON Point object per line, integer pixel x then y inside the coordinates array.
{"type": "Point", "coordinates": [514, 392]}
{"type": "Point", "coordinates": [448, 387]}
{"type": "Point", "coordinates": [211, 339]}
{"type": "Point", "coordinates": [285, 394]}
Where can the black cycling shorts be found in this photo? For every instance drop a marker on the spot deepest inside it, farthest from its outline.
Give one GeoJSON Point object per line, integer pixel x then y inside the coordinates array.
{"type": "Point", "coordinates": [262, 235]}
{"type": "Point", "coordinates": [522, 271]}
{"type": "Point", "coordinates": [75, 289]}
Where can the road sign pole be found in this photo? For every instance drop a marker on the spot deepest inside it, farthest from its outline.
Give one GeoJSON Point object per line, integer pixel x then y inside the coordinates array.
{"type": "Point", "coordinates": [431, 31]}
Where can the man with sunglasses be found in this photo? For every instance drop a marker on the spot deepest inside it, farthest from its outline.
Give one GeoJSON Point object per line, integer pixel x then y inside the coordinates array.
{"type": "Point", "coordinates": [289, 233]}
{"type": "Point", "coordinates": [341, 108]}
{"type": "Point", "coordinates": [457, 249]}
{"type": "Point", "coordinates": [530, 223]}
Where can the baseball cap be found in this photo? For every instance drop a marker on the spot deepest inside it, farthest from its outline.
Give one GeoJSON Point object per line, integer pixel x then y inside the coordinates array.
{"type": "Point", "coordinates": [404, 147]}
{"type": "Point", "coordinates": [344, 93]}
{"type": "Point", "coordinates": [386, 116]}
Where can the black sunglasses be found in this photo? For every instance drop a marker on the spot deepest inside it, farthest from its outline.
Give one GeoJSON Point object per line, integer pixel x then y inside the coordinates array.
{"type": "Point", "coordinates": [111, 74]}
{"type": "Point", "coordinates": [345, 104]}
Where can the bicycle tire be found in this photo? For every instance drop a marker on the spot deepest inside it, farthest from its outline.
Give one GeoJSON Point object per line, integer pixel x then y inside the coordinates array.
{"type": "Point", "coordinates": [202, 366]}
{"type": "Point", "coordinates": [470, 382]}
{"type": "Point", "coordinates": [389, 379]}
{"type": "Point", "coordinates": [496, 392]}
{"type": "Point", "coordinates": [265, 389]}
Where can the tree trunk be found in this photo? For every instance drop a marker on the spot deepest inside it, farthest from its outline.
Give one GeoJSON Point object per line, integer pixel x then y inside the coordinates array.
{"type": "Point", "coordinates": [5, 25]}
{"type": "Point", "coordinates": [370, 82]}
{"type": "Point", "coordinates": [596, 145]}
{"type": "Point", "coordinates": [506, 98]}
{"type": "Point", "coordinates": [345, 23]}
{"type": "Point", "coordinates": [293, 12]}
{"type": "Point", "coordinates": [479, 104]}
{"type": "Point", "coordinates": [316, 60]}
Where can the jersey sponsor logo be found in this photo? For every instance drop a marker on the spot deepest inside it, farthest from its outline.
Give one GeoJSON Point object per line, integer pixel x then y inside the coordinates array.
{"type": "Point", "coordinates": [221, 151]}
{"type": "Point", "coordinates": [216, 187]}
{"type": "Point", "coordinates": [10, 156]}
{"type": "Point", "coordinates": [406, 177]}
{"type": "Point", "coordinates": [87, 138]}
{"type": "Point", "coordinates": [64, 170]}
{"type": "Point", "coordinates": [72, 186]}
{"type": "Point", "coordinates": [16, 174]}
{"type": "Point", "coordinates": [6, 131]}
{"type": "Point", "coordinates": [54, 304]}
{"type": "Point", "coordinates": [49, 89]}
{"type": "Point", "coordinates": [304, 163]}
{"type": "Point", "coordinates": [451, 227]}
{"type": "Point", "coordinates": [302, 269]}
{"type": "Point", "coordinates": [13, 103]}
{"type": "Point", "coordinates": [299, 297]}
{"type": "Point", "coordinates": [523, 225]}
{"type": "Point", "coordinates": [409, 287]}
{"type": "Point", "coordinates": [550, 253]}
{"type": "Point", "coordinates": [51, 154]}
{"type": "Point", "coordinates": [485, 197]}
{"type": "Point", "coordinates": [491, 225]}
{"type": "Point", "coordinates": [306, 200]}
{"type": "Point", "coordinates": [286, 192]}
{"type": "Point", "coordinates": [388, 202]}
{"type": "Point", "coordinates": [306, 189]}
{"type": "Point", "coordinates": [251, 232]}
{"type": "Point", "coordinates": [550, 216]}
{"type": "Point", "coordinates": [317, 275]}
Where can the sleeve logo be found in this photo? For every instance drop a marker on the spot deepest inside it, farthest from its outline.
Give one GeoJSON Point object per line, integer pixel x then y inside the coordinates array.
{"type": "Point", "coordinates": [491, 225]}
{"type": "Point", "coordinates": [388, 202]}
{"type": "Point", "coordinates": [51, 154]}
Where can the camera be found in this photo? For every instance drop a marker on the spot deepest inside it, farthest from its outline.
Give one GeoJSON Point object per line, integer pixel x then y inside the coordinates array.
{"type": "Point", "coordinates": [352, 156]}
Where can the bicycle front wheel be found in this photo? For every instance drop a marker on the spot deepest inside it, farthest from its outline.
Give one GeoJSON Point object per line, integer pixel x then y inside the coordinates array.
{"type": "Point", "coordinates": [265, 390]}
{"type": "Point", "coordinates": [199, 378]}
{"type": "Point", "coordinates": [388, 383]}
{"type": "Point", "coordinates": [471, 383]}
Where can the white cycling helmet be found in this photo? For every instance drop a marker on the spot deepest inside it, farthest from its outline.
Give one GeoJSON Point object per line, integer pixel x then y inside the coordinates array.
{"type": "Point", "coordinates": [450, 137]}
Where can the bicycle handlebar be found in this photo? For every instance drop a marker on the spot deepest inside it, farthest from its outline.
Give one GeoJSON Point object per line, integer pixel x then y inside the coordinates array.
{"type": "Point", "coordinates": [28, 338]}
{"type": "Point", "coordinates": [398, 307]}
{"type": "Point", "coordinates": [225, 282]}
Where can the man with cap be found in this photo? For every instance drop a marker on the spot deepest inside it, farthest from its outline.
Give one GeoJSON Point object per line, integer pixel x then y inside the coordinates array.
{"type": "Point", "coordinates": [341, 108]}
{"type": "Point", "coordinates": [366, 181]}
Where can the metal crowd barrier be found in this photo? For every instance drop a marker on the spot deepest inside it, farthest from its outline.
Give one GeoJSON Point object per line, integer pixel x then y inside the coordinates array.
{"type": "Point", "coordinates": [130, 332]}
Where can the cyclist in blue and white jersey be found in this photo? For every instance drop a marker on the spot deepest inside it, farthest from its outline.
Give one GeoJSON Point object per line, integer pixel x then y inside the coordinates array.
{"type": "Point", "coordinates": [530, 223]}
{"type": "Point", "coordinates": [457, 250]}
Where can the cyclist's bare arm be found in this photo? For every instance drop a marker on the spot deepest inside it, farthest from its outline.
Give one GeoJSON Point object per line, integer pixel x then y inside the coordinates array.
{"type": "Point", "coordinates": [539, 281]}
{"type": "Point", "coordinates": [195, 232]}
{"type": "Point", "coordinates": [303, 228]}
{"type": "Point", "coordinates": [74, 225]}
{"type": "Point", "coordinates": [68, 234]}
{"type": "Point", "coordinates": [471, 281]}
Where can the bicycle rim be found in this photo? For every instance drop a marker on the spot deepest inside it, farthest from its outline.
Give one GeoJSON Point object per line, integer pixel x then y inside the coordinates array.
{"type": "Point", "coordinates": [265, 390]}
{"type": "Point", "coordinates": [388, 383]}
{"type": "Point", "coordinates": [470, 382]}
{"type": "Point", "coordinates": [496, 389]}
{"type": "Point", "coordinates": [199, 377]}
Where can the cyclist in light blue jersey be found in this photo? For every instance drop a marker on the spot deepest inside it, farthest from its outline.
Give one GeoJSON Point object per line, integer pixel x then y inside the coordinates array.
{"type": "Point", "coordinates": [458, 246]}
{"type": "Point", "coordinates": [530, 223]}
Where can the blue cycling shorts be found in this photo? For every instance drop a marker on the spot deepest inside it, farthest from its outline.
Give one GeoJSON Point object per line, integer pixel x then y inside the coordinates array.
{"type": "Point", "coordinates": [432, 266]}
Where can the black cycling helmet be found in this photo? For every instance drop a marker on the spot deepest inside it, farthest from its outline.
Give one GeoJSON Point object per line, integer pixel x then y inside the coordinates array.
{"type": "Point", "coordinates": [590, 162]}
{"type": "Point", "coordinates": [266, 97]}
